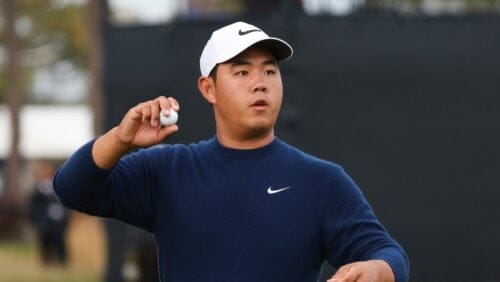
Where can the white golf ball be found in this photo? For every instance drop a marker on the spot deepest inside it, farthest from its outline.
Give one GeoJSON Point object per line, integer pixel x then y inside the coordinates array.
{"type": "Point", "coordinates": [170, 119]}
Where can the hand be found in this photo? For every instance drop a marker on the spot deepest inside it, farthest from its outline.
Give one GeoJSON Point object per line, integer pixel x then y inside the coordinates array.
{"type": "Point", "coordinates": [140, 127]}
{"type": "Point", "coordinates": [364, 271]}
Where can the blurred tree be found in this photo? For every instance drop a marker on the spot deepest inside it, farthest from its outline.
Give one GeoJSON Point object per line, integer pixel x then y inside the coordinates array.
{"type": "Point", "coordinates": [443, 5]}
{"type": "Point", "coordinates": [13, 94]}
{"type": "Point", "coordinates": [213, 8]}
{"type": "Point", "coordinates": [483, 5]}
{"type": "Point", "coordinates": [50, 31]}
{"type": "Point", "coordinates": [36, 36]}
{"type": "Point", "coordinates": [96, 17]}
{"type": "Point", "coordinates": [53, 30]}
{"type": "Point", "coordinates": [422, 7]}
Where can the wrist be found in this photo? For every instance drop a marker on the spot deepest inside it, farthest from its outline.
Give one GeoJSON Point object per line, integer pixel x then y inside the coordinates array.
{"type": "Point", "coordinates": [109, 149]}
{"type": "Point", "coordinates": [386, 271]}
{"type": "Point", "coordinates": [120, 145]}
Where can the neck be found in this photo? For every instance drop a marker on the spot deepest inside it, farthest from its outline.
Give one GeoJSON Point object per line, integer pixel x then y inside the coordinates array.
{"type": "Point", "coordinates": [245, 142]}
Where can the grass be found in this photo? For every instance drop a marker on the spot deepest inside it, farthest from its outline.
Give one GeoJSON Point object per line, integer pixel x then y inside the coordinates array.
{"type": "Point", "coordinates": [20, 261]}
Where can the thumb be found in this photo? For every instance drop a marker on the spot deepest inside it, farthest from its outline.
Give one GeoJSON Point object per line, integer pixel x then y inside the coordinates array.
{"type": "Point", "coordinates": [164, 132]}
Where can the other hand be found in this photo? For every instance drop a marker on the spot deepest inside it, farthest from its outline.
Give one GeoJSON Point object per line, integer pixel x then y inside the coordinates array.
{"type": "Point", "coordinates": [364, 271]}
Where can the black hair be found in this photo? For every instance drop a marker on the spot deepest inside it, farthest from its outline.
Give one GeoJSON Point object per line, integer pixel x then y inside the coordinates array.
{"type": "Point", "coordinates": [213, 73]}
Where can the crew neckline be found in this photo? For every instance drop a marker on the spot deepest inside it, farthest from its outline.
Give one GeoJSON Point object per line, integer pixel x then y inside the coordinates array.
{"type": "Point", "coordinates": [244, 153]}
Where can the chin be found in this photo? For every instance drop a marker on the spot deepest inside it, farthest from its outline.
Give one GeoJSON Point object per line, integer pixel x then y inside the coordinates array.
{"type": "Point", "coordinates": [260, 128]}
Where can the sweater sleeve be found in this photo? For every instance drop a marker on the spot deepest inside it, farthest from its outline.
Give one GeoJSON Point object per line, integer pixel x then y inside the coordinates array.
{"type": "Point", "coordinates": [353, 233]}
{"type": "Point", "coordinates": [123, 192]}
{"type": "Point", "coordinates": [77, 182]}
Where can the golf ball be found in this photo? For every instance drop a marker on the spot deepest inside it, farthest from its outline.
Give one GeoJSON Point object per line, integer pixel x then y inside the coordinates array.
{"type": "Point", "coordinates": [170, 119]}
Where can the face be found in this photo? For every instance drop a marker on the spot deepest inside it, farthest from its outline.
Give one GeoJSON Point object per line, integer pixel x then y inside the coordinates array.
{"type": "Point", "coordinates": [246, 94]}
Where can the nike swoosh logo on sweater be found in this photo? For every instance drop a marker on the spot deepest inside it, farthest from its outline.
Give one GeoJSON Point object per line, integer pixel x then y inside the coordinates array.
{"type": "Point", "coordinates": [271, 191]}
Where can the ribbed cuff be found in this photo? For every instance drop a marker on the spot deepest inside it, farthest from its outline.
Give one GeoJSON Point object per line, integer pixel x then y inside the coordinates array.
{"type": "Point", "coordinates": [397, 260]}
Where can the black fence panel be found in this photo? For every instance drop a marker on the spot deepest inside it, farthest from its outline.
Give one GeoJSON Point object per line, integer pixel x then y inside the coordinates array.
{"type": "Point", "coordinates": [409, 106]}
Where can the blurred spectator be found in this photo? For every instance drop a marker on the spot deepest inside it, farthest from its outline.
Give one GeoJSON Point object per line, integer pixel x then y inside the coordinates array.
{"type": "Point", "coordinates": [48, 216]}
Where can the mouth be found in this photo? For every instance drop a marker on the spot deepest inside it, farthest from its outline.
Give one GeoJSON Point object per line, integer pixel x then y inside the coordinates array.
{"type": "Point", "coordinates": [260, 104]}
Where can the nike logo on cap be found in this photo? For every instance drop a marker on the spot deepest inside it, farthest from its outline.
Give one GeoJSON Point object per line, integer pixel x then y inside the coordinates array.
{"type": "Point", "coordinates": [240, 32]}
{"type": "Point", "coordinates": [271, 191]}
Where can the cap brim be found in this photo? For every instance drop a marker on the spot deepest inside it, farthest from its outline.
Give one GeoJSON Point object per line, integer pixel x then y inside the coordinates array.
{"type": "Point", "coordinates": [280, 48]}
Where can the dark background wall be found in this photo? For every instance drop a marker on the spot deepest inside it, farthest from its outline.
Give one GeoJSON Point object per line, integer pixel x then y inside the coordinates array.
{"type": "Point", "coordinates": [409, 106]}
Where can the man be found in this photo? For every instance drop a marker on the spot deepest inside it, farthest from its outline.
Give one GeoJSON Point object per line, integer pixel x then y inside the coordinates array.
{"type": "Point", "coordinates": [242, 206]}
{"type": "Point", "coordinates": [49, 217]}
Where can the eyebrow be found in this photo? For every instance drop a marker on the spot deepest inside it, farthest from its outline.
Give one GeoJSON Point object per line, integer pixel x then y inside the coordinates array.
{"type": "Point", "coordinates": [243, 62]}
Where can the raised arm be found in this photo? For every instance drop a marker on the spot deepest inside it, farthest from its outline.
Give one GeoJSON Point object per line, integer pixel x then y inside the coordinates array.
{"type": "Point", "coordinates": [95, 181]}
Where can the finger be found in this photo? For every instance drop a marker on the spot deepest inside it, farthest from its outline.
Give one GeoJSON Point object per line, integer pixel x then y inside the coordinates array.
{"type": "Point", "coordinates": [174, 104]}
{"type": "Point", "coordinates": [164, 105]}
{"type": "Point", "coordinates": [352, 274]}
{"type": "Point", "coordinates": [167, 131]}
{"type": "Point", "coordinates": [155, 113]}
{"type": "Point", "coordinates": [135, 113]}
{"type": "Point", "coordinates": [340, 272]}
{"type": "Point", "coordinates": [145, 111]}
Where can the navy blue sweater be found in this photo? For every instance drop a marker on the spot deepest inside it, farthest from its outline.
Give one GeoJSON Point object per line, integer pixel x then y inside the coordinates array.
{"type": "Point", "coordinates": [219, 214]}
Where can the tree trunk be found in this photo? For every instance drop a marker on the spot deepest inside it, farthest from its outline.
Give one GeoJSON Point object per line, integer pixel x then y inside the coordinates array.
{"type": "Point", "coordinates": [14, 96]}
{"type": "Point", "coordinates": [95, 20]}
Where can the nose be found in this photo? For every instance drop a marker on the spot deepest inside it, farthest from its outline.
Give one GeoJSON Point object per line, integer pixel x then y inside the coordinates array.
{"type": "Point", "coordinates": [260, 88]}
{"type": "Point", "coordinates": [259, 84]}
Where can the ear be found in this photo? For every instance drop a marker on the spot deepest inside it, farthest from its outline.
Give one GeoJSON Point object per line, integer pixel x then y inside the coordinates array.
{"type": "Point", "coordinates": [206, 86]}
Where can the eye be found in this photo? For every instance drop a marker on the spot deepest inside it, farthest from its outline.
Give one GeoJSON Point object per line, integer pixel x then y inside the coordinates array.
{"type": "Point", "coordinates": [270, 72]}
{"type": "Point", "coordinates": [242, 73]}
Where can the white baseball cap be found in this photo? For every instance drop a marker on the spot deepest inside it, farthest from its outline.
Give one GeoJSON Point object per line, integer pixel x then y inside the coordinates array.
{"type": "Point", "coordinates": [230, 40]}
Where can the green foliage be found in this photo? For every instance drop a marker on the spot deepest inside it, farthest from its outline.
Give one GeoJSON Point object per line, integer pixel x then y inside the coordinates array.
{"type": "Point", "coordinates": [470, 5]}
{"type": "Point", "coordinates": [478, 5]}
{"type": "Point", "coordinates": [49, 31]}
{"type": "Point", "coordinates": [60, 27]}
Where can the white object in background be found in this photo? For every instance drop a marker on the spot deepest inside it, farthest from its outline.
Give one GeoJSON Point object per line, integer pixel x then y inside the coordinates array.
{"type": "Point", "coordinates": [47, 132]}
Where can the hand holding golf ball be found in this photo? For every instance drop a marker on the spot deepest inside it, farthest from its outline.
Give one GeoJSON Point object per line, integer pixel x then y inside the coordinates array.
{"type": "Point", "coordinates": [171, 119]}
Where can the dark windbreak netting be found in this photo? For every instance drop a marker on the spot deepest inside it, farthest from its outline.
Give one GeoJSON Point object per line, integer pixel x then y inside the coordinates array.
{"type": "Point", "coordinates": [409, 106]}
